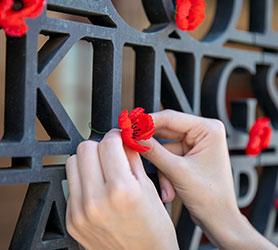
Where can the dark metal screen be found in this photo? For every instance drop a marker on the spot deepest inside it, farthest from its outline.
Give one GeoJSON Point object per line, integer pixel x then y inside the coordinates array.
{"type": "Point", "coordinates": [42, 220]}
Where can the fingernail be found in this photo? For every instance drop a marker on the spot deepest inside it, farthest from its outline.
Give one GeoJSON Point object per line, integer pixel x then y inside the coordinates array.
{"type": "Point", "coordinates": [163, 195]}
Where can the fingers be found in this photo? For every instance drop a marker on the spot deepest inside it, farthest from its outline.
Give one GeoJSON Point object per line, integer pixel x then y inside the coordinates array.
{"type": "Point", "coordinates": [167, 190]}
{"type": "Point", "coordinates": [177, 148]}
{"type": "Point", "coordinates": [176, 122]}
{"type": "Point", "coordinates": [166, 133]}
{"type": "Point", "coordinates": [73, 183]}
{"type": "Point", "coordinates": [135, 163]}
{"type": "Point", "coordinates": [163, 159]}
{"type": "Point", "coordinates": [113, 157]}
{"type": "Point", "coordinates": [89, 169]}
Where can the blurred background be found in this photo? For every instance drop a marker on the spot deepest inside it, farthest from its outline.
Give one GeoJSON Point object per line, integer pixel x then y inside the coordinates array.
{"type": "Point", "coordinates": [72, 83]}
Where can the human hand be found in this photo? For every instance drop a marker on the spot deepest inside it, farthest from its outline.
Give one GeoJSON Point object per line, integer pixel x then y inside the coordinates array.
{"type": "Point", "coordinates": [198, 166]}
{"type": "Point", "coordinates": [112, 203]}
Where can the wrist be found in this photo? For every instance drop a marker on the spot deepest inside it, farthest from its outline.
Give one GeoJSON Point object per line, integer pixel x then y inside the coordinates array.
{"type": "Point", "coordinates": [223, 228]}
{"type": "Point", "coordinates": [235, 232]}
{"type": "Point", "coordinates": [229, 232]}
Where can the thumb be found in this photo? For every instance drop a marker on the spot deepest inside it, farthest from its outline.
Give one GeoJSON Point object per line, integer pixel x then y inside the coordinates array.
{"type": "Point", "coordinates": [163, 159]}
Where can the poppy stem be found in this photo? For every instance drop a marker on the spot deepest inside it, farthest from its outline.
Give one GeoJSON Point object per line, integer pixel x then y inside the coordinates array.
{"type": "Point", "coordinates": [96, 131]}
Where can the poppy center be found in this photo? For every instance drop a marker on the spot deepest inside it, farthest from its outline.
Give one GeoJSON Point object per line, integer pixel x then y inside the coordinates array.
{"type": "Point", "coordinates": [136, 130]}
{"type": "Point", "coordinates": [18, 5]}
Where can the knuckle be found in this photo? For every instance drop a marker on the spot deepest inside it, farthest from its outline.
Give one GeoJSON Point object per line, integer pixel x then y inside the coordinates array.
{"type": "Point", "coordinates": [167, 111]}
{"type": "Point", "coordinates": [109, 141]}
{"type": "Point", "coordinates": [86, 146]}
{"type": "Point", "coordinates": [78, 221]}
{"type": "Point", "coordinates": [217, 127]}
{"type": "Point", "coordinates": [70, 165]}
{"type": "Point", "coordinates": [71, 160]}
{"type": "Point", "coordinates": [124, 195]}
{"type": "Point", "coordinates": [114, 131]}
{"type": "Point", "coordinates": [93, 210]}
{"type": "Point", "coordinates": [219, 124]}
{"type": "Point", "coordinates": [117, 189]}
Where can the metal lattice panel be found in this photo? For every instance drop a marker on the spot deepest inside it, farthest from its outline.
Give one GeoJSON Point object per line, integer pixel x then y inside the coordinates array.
{"type": "Point", "coordinates": [42, 220]}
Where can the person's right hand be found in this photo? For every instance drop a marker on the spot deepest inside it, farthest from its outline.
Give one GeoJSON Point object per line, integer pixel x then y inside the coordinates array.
{"type": "Point", "coordinates": [112, 203]}
{"type": "Point", "coordinates": [198, 166]}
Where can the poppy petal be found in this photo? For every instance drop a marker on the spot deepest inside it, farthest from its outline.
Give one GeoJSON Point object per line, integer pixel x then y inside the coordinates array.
{"type": "Point", "coordinates": [266, 138]}
{"type": "Point", "coordinates": [32, 8]}
{"type": "Point", "coordinates": [182, 13]}
{"type": "Point", "coordinates": [190, 13]}
{"type": "Point", "coordinates": [12, 21]}
{"type": "Point", "coordinates": [17, 29]}
{"type": "Point", "coordinates": [5, 6]}
{"type": "Point", "coordinates": [146, 126]}
{"type": "Point", "coordinates": [136, 126]}
{"type": "Point", "coordinates": [254, 146]}
{"type": "Point", "coordinates": [259, 137]}
{"type": "Point", "coordinates": [127, 136]}
{"type": "Point", "coordinates": [133, 115]}
{"type": "Point", "coordinates": [124, 121]}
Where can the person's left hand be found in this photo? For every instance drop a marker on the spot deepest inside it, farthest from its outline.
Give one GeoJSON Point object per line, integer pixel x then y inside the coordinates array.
{"type": "Point", "coordinates": [112, 203]}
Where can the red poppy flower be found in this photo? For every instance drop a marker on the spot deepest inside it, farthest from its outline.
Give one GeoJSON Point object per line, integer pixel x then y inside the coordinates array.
{"type": "Point", "coordinates": [259, 137]}
{"type": "Point", "coordinates": [190, 13]}
{"type": "Point", "coordinates": [13, 13]}
{"type": "Point", "coordinates": [136, 126]}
